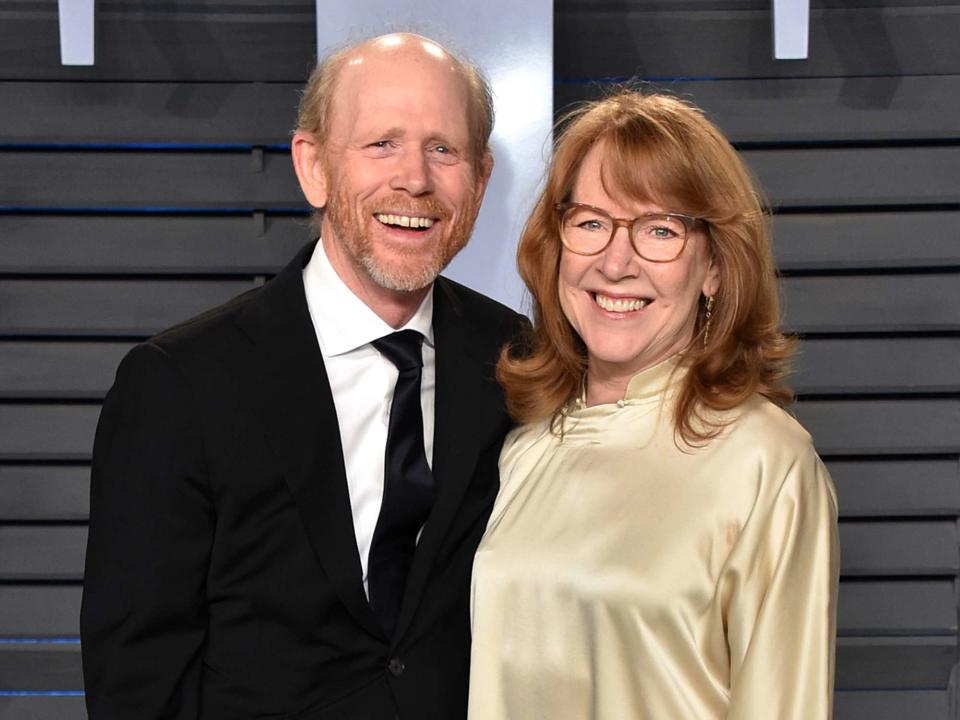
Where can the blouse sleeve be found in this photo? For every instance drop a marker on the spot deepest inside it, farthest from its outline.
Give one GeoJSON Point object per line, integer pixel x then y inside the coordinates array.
{"type": "Point", "coordinates": [781, 609]}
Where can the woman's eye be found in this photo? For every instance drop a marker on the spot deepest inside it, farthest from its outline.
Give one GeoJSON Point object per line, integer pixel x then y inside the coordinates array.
{"type": "Point", "coordinates": [585, 221]}
{"type": "Point", "coordinates": [660, 232]}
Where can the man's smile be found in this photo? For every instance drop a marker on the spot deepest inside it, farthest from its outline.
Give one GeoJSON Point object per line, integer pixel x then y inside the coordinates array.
{"type": "Point", "coordinates": [407, 221]}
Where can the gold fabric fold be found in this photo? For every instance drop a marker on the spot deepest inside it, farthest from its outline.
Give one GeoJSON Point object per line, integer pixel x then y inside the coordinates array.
{"type": "Point", "coordinates": [622, 576]}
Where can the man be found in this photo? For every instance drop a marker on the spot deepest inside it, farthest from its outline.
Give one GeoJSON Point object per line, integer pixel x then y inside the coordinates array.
{"type": "Point", "coordinates": [283, 513]}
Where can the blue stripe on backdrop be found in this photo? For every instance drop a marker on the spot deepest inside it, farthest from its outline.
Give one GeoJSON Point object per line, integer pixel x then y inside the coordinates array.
{"type": "Point", "coordinates": [633, 78]}
{"type": "Point", "coordinates": [10, 209]}
{"type": "Point", "coordinates": [41, 693]}
{"type": "Point", "coordinates": [64, 640]}
{"type": "Point", "coordinates": [140, 146]}
{"type": "Point", "coordinates": [708, 78]}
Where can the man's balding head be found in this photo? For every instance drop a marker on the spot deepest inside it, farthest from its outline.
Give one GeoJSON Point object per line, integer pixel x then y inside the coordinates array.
{"type": "Point", "coordinates": [392, 151]}
{"type": "Point", "coordinates": [319, 99]}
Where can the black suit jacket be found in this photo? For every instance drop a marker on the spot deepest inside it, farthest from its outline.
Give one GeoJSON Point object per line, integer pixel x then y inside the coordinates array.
{"type": "Point", "coordinates": [222, 574]}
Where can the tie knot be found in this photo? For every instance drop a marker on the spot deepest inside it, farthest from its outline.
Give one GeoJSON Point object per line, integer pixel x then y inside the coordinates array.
{"type": "Point", "coordinates": [402, 349]}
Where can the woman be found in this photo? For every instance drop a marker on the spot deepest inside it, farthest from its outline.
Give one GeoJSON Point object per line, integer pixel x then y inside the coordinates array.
{"type": "Point", "coordinates": [664, 544]}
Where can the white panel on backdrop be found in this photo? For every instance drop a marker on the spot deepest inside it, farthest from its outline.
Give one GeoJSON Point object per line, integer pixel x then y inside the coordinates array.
{"type": "Point", "coordinates": [76, 32]}
{"type": "Point", "coordinates": [791, 29]}
{"type": "Point", "coordinates": [513, 42]}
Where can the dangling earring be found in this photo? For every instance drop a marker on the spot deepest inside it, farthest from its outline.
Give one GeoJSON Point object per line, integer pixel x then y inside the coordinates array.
{"type": "Point", "coordinates": [707, 319]}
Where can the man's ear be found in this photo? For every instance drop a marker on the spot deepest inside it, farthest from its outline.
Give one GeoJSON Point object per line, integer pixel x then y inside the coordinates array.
{"type": "Point", "coordinates": [483, 173]}
{"type": "Point", "coordinates": [308, 162]}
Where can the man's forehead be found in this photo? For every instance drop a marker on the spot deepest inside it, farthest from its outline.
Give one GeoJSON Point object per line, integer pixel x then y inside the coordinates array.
{"type": "Point", "coordinates": [398, 111]}
{"type": "Point", "coordinates": [372, 84]}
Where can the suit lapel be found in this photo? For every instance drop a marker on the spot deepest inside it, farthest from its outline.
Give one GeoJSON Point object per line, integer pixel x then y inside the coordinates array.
{"type": "Point", "coordinates": [293, 395]}
{"type": "Point", "coordinates": [459, 411]}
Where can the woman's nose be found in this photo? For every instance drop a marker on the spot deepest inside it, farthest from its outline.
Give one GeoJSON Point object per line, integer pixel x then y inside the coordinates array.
{"type": "Point", "coordinates": [619, 259]}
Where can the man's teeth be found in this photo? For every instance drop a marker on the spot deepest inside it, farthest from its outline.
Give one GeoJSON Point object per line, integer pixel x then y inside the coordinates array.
{"type": "Point", "coordinates": [620, 304]}
{"type": "Point", "coordinates": [404, 220]}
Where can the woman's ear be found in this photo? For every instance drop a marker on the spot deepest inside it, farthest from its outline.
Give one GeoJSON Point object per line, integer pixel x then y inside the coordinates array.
{"type": "Point", "coordinates": [711, 283]}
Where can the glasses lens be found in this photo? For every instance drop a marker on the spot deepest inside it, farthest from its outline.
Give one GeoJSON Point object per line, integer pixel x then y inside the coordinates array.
{"type": "Point", "coordinates": [659, 237]}
{"type": "Point", "coordinates": [586, 230]}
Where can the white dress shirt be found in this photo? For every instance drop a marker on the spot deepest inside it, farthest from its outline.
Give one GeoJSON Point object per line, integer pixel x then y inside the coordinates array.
{"type": "Point", "coordinates": [362, 382]}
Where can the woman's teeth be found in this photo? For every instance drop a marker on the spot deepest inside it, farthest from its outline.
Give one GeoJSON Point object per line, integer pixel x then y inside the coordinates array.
{"type": "Point", "coordinates": [620, 304]}
{"type": "Point", "coordinates": [404, 220]}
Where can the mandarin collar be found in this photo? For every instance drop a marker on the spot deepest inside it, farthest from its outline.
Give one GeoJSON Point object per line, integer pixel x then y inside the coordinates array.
{"type": "Point", "coordinates": [651, 382]}
{"type": "Point", "coordinates": [654, 380]}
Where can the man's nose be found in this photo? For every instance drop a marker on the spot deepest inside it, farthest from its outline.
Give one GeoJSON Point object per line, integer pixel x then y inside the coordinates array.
{"type": "Point", "coordinates": [619, 259]}
{"type": "Point", "coordinates": [412, 173]}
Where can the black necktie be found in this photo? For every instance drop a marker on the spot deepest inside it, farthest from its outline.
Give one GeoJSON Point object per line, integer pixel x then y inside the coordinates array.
{"type": "Point", "coordinates": [408, 486]}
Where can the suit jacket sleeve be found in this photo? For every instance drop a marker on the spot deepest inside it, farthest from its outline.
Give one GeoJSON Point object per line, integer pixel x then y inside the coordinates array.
{"type": "Point", "coordinates": [143, 619]}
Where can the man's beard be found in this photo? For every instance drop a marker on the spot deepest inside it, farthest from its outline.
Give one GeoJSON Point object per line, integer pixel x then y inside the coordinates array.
{"type": "Point", "coordinates": [421, 269]}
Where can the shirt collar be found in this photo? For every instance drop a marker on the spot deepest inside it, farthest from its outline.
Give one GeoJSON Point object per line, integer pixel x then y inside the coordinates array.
{"type": "Point", "coordinates": [342, 321]}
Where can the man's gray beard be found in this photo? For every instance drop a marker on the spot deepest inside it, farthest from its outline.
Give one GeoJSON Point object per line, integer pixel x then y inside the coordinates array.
{"type": "Point", "coordinates": [391, 279]}
{"type": "Point", "coordinates": [359, 248]}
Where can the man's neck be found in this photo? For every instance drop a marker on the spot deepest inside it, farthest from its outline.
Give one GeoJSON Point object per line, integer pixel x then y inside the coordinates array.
{"type": "Point", "coordinates": [394, 307]}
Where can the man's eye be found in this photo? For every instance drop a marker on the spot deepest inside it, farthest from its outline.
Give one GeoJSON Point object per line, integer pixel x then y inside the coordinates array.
{"type": "Point", "coordinates": [380, 144]}
{"type": "Point", "coordinates": [443, 154]}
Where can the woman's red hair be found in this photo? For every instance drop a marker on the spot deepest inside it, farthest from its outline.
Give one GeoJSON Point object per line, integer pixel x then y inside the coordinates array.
{"type": "Point", "coordinates": [657, 149]}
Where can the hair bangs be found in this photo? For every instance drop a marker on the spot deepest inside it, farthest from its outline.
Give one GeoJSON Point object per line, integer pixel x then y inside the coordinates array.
{"type": "Point", "coordinates": [645, 161]}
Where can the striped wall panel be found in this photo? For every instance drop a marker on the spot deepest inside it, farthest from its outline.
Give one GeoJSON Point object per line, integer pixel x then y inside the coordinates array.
{"type": "Point", "coordinates": [224, 40]}
{"type": "Point", "coordinates": [861, 108]}
{"type": "Point", "coordinates": [149, 244]}
{"type": "Point", "coordinates": [81, 369]}
{"type": "Point", "coordinates": [164, 113]}
{"type": "Point", "coordinates": [175, 41]}
{"type": "Point", "coordinates": [674, 39]}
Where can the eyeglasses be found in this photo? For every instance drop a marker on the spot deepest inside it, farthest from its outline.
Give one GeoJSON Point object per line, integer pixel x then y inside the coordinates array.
{"type": "Point", "coordinates": [657, 237]}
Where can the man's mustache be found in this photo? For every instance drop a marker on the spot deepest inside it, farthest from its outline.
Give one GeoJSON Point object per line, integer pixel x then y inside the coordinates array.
{"type": "Point", "coordinates": [414, 207]}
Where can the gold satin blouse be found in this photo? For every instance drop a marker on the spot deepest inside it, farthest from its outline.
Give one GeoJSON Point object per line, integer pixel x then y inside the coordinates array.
{"type": "Point", "coordinates": [622, 577]}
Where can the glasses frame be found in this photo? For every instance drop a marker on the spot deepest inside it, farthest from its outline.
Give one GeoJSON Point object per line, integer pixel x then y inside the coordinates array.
{"type": "Point", "coordinates": [689, 223]}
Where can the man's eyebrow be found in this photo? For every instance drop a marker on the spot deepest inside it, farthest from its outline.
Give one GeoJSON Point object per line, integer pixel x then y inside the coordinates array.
{"type": "Point", "coordinates": [442, 139]}
{"type": "Point", "coordinates": [398, 132]}
{"type": "Point", "coordinates": [390, 132]}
